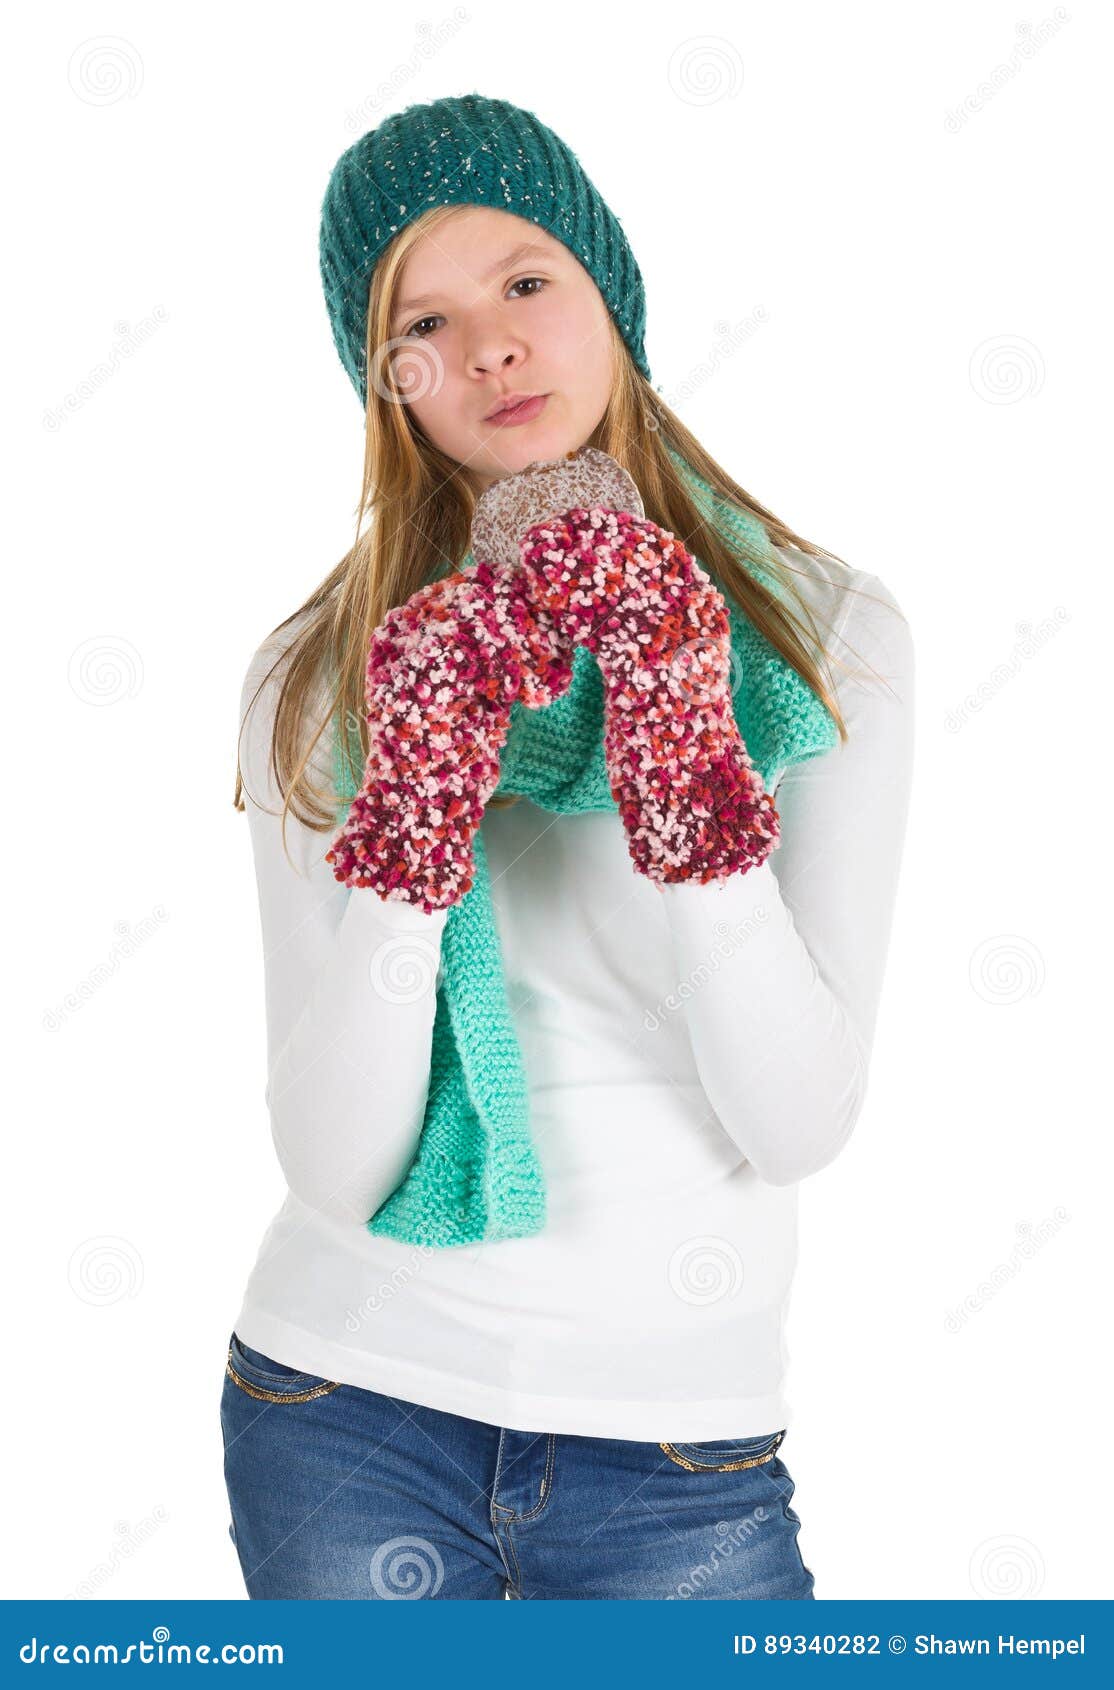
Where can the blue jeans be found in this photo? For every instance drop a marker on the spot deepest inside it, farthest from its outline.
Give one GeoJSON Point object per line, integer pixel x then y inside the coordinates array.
{"type": "Point", "coordinates": [338, 1492]}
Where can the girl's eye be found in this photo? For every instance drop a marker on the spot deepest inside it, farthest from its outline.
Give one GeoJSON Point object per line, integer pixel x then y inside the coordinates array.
{"type": "Point", "coordinates": [541, 281]}
{"type": "Point", "coordinates": [433, 317]}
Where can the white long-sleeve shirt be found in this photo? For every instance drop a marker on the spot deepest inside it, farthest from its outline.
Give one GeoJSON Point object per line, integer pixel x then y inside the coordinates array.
{"type": "Point", "coordinates": [692, 1052]}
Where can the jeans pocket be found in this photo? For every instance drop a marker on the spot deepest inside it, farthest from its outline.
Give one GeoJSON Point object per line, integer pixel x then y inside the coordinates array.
{"type": "Point", "coordinates": [725, 1455]}
{"type": "Point", "coordinates": [267, 1380]}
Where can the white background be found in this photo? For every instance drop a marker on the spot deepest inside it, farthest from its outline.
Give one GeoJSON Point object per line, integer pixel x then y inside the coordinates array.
{"type": "Point", "coordinates": [871, 243]}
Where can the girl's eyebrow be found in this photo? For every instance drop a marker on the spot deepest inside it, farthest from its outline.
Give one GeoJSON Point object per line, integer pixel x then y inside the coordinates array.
{"type": "Point", "coordinates": [526, 249]}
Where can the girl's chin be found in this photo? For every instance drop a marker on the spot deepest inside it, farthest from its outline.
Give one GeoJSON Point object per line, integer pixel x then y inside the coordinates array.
{"type": "Point", "coordinates": [513, 455]}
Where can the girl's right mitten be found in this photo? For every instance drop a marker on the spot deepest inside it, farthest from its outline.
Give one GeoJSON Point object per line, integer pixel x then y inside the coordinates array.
{"type": "Point", "coordinates": [443, 671]}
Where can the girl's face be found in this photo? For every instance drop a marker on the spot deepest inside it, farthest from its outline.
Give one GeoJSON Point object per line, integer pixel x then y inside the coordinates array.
{"type": "Point", "coordinates": [490, 304]}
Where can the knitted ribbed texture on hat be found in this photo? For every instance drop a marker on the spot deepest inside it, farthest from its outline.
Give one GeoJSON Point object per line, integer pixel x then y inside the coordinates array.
{"type": "Point", "coordinates": [465, 150]}
{"type": "Point", "coordinates": [476, 1175]}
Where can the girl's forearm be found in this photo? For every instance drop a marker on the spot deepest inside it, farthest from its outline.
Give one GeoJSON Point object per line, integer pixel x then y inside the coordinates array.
{"type": "Point", "coordinates": [347, 1087]}
{"type": "Point", "coordinates": [778, 1055]}
{"type": "Point", "coordinates": [350, 984]}
{"type": "Point", "coordinates": [780, 970]}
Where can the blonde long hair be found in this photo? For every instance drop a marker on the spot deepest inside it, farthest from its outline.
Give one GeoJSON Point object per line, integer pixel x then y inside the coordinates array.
{"type": "Point", "coordinates": [420, 502]}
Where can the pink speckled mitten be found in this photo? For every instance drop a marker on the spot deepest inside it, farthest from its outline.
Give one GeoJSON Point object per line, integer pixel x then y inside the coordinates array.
{"type": "Point", "coordinates": [691, 802]}
{"type": "Point", "coordinates": [443, 670]}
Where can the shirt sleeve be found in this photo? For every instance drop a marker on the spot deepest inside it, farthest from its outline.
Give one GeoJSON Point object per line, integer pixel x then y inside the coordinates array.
{"type": "Point", "coordinates": [350, 983]}
{"type": "Point", "coordinates": [782, 1024]}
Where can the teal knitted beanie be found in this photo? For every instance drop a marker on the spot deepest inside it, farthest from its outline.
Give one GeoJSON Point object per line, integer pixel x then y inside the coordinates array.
{"type": "Point", "coordinates": [465, 150]}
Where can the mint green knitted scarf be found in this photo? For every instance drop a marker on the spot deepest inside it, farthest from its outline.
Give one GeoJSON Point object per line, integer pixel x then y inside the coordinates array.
{"type": "Point", "coordinates": [476, 1174]}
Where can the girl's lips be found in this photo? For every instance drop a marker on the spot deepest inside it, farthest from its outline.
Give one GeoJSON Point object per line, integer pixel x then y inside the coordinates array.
{"type": "Point", "coordinates": [524, 413]}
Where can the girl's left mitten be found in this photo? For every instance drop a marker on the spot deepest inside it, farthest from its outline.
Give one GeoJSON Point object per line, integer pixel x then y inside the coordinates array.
{"type": "Point", "coordinates": [691, 802]}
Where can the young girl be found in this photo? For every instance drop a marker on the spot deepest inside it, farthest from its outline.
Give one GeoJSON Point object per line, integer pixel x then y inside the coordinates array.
{"type": "Point", "coordinates": [519, 1327]}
